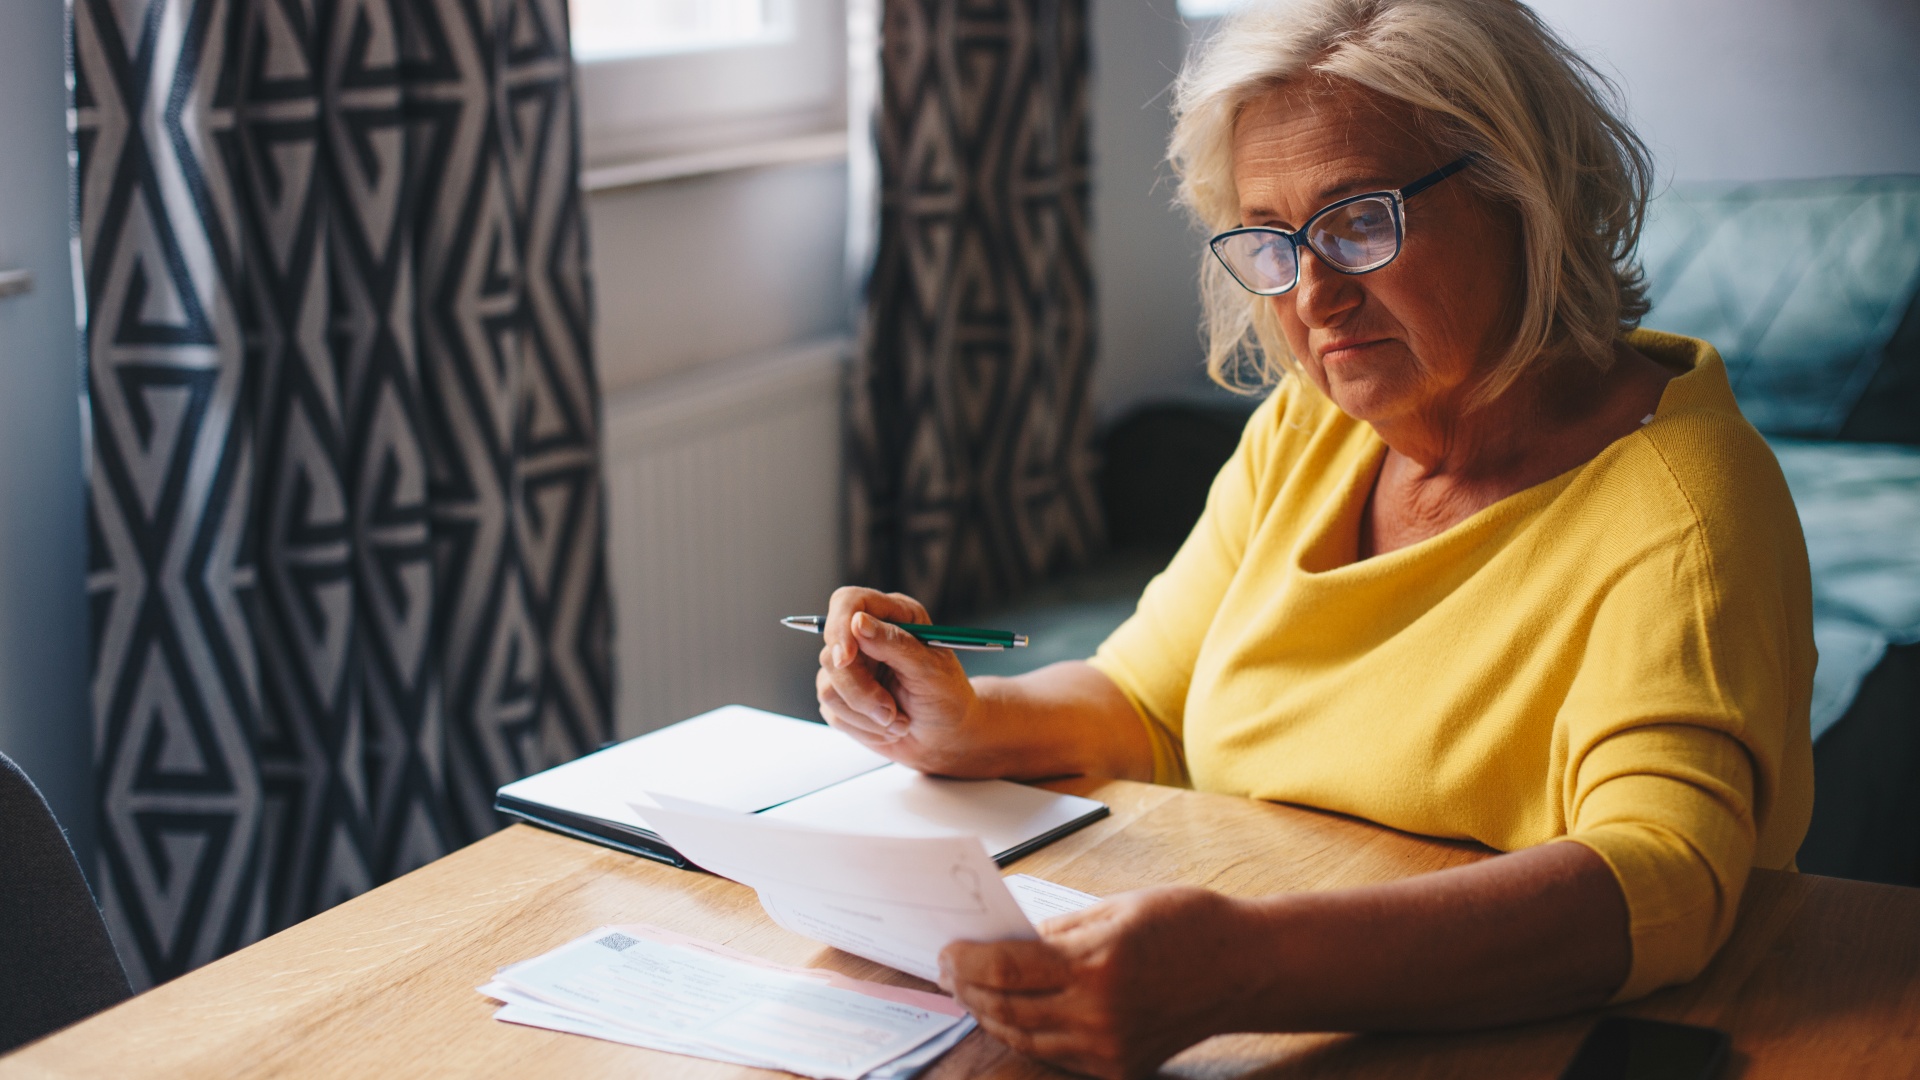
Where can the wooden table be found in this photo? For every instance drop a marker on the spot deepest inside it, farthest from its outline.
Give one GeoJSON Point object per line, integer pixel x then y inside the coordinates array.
{"type": "Point", "coordinates": [1821, 978]}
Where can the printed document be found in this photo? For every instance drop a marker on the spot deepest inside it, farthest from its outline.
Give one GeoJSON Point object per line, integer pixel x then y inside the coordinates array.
{"type": "Point", "coordinates": [1042, 899]}
{"type": "Point", "coordinates": [512, 1011]}
{"type": "Point", "coordinates": [649, 986]}
{"type": "Point", "coordinates": [896, 900]}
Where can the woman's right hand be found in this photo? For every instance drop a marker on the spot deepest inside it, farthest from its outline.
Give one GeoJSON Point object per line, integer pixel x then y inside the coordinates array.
{"type": "Point", "coordinates": [903, 699]}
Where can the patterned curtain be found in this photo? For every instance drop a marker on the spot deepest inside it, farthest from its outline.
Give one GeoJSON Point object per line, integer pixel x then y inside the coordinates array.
{"type": "Point", "coordinates": [345, 511]}
{"type": "Point", "coordinates": [970, 462]}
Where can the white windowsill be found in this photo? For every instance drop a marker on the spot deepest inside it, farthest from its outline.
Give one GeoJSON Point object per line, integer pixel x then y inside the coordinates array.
{"type": "Point", "coordinates": [760, 154]}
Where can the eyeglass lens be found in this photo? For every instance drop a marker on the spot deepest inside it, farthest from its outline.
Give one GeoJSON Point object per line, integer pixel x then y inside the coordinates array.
{"type": "Point", "coordinates": [1359, 236]}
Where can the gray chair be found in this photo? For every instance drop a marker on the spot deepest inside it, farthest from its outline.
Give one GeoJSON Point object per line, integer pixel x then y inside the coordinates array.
{"type": "Point", "coordinates": [57, 964]}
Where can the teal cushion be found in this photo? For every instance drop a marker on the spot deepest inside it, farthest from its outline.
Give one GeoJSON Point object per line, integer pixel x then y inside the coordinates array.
{"type": "Point", "coordinates": [1860, 510]}
{"type": "Point", "coordinates": [1803, 286]}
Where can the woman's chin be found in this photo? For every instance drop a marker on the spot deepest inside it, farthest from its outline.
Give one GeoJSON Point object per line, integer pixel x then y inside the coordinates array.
{"type": "Point", "coordinates": [1368, 398]}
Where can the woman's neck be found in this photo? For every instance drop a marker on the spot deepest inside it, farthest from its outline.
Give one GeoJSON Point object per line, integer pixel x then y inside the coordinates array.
{"type": "Point", "coordinates": [1443, 467]}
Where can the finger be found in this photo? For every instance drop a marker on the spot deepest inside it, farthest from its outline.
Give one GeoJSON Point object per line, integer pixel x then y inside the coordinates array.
{"type": "Point", "coordinates": [879, 744]}
{"type": "Point", "coordinates": [860, 690]}
{"type": "Point", "coordinates": [837, 713]}
{"type": "Point", "coordinates": [1017, 1039]}
{"type": "Point", "coordinates": [907, 655]}
{"type": "Point", "coordinates": [848, 601]}
{"type": "Point", "coordinates": [838, 649]}
{"type": "Point", "coordinates": [1021, 966]}
{"type": "Point", "coordinates": [1069, 925]}
{"type": "Point", "coordinates": [1067, 1049]}
{"type": "Point", "coordinates": [914, 611]}
{"type": "Point", "coordinates": [1026, 1011]}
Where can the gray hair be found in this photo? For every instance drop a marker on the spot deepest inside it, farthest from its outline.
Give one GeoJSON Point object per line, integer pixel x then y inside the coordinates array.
{"type": "Point", "coordinates": [1488, 78]}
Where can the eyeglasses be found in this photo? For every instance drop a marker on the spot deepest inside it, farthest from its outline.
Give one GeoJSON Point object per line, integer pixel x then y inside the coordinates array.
{"type": "Point", "coordinates": [1357, 235]}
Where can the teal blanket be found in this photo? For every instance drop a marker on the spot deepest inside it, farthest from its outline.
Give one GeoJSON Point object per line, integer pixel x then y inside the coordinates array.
{"type": "Point", "coordinates": [1807, 289]}
{"type": "Point", "coordinates": [1859, 505]}
{"type": "Point", "coordinates": [1801, 284]}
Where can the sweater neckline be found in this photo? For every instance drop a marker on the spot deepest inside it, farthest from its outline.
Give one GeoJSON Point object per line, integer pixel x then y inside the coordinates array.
{"type": "Point", "coordinates": [1330, 545]}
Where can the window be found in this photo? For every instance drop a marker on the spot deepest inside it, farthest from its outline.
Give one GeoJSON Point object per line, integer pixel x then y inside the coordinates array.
{"type": "Point", "coordinates": [1206, 9]}
{"type": "Point", "coordinates": [660, 78]}
{"type": "Point", "coordinates": [617, 29]}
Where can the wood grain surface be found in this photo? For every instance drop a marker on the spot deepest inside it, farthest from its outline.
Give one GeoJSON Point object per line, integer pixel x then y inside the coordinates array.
{"type": "Point", "coordinates": [1821, 978]}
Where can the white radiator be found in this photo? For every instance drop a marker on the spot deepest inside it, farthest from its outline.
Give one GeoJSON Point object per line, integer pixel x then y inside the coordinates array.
{"type": "Point", "coordinates": [724, 509]}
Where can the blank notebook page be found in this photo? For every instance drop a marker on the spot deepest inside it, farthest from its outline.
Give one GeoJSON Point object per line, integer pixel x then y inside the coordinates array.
{"type": "Point", "coordinates": [897, 801]}
{"type": "Point", "coordinates": [735, 758]}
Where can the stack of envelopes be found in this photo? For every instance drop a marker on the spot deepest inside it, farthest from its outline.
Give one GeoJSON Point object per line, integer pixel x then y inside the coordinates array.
{"type": "Point", "coordinates": [650, 987]}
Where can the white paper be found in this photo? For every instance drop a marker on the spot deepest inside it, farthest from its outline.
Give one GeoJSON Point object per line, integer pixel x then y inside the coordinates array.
{"type": "Point", "coordinates": [735, 757]}
{"type": "Point", "coordinates": [1042, 899]}
{"type": "Point", "coordinates": [530, 1013]}
{"type": "Point", "coordinates": [518, 1008]}
{"type": "Point", "coordinates": [894, 900]}
{"type": "Point", "coordinates": [1038, 898]}
{"type": "Point", "coordinates": [701, 1001]}
{"type": "Point", "coordinates": [898, 801]}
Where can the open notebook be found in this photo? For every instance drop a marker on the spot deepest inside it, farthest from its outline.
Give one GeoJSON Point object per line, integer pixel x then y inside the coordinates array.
{"type": "Point", "coordinates": [755, 762]}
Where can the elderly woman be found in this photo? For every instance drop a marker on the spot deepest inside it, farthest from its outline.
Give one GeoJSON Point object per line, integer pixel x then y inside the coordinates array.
{"type": "Point", "coordinates": [1489, 563]}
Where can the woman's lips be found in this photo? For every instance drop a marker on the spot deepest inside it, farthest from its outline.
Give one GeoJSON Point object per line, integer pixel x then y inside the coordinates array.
{"type": "Point", "coordinates": [1335, 352]}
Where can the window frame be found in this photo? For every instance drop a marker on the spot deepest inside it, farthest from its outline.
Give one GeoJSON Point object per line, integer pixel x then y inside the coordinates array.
{"type": "Point", "coordinates": [637, 110]}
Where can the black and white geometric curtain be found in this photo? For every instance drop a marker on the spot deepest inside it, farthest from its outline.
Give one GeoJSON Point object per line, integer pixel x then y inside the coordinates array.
{"type": "Point", "coordinates": [970, 464]}
{"type": "Point", "coordinates": [345, 511]}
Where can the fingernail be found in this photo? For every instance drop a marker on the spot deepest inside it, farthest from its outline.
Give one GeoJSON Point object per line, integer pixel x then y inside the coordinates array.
{"type": "Point", "coordinates": [842, 656]}
{"type": "Point", "coordinates": [866, 626]}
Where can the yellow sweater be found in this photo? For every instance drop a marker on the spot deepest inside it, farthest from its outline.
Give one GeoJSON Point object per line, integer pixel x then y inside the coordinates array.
{"type": "Point", "coordinates": [1621, 656]}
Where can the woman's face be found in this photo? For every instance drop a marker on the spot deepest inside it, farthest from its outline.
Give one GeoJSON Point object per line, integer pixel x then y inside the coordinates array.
{"type": "Point", "coordinates": [1405, 343]}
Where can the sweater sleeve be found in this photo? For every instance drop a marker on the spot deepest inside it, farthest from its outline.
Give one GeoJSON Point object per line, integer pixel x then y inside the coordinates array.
{"type": "Point", "coordinates": [1669, 809]}
{"type": "Point", "coordinates": [1151, 656]}
{"type": "Point", "coordinates": [1674, 730]}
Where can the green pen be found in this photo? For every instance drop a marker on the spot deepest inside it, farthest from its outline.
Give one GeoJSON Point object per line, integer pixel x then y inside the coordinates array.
{"type": "Point", "coordinates": [967, 638]}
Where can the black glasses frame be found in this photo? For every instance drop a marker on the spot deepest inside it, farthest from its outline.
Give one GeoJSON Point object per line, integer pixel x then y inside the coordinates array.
{"type": "Point", "coordinates": [1299, 237]}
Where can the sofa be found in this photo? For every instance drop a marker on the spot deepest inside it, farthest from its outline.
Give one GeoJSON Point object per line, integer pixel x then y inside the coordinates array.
{"type": "Point", "coordinates": [1808, 288]}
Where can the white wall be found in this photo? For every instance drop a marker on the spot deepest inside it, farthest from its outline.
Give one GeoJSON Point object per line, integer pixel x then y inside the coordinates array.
{"type": "Point", "coordinates": [713, 268]}
{"type": "Point", "coordinates": [1146, 258]}
{"type": "Point", "coordinates": [43, 608]}
{"type": "Point", "coordinates": [1760, 89]}
{"type": "Point", "coordinates": [722, 432]}
{"type": "Point", "coordinates": [723, 508]}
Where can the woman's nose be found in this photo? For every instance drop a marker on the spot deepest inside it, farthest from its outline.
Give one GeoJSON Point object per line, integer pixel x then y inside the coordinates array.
{"type": "Point", "coordinates": [1323, 294]}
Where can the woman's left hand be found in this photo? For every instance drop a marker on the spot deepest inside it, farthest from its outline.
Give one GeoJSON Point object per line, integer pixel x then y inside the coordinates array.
{"type": "Point", "coordinates": [1115, 989]}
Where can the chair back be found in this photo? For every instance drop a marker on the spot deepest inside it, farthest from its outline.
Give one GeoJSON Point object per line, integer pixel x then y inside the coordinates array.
{"type": "Point", "coordinates": [57, 964]}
